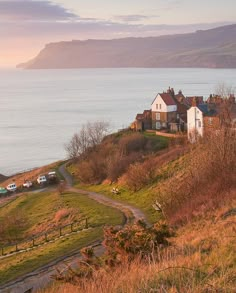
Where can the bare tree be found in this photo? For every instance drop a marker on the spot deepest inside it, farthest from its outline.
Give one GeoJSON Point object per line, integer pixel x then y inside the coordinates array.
{"type": "Point", "coordinates": [97, 131]}
{"type": "Point", "coordinates": [90, 135]}
{"type": "Point", "coordinates": [224, 90]}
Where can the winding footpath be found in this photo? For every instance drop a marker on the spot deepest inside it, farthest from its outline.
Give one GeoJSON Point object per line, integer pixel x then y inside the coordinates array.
{"type": "Point", "coordinates": [41, 277]}
{"type": "Point", "coordinates": [137, 213]}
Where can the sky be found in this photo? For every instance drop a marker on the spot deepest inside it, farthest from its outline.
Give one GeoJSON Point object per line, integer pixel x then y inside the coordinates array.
{"type": "Point", "coordinates": [27, 25]}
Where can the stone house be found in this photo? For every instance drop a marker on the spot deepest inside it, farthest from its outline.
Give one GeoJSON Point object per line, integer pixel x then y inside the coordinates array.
{"type": "Point", "coordinates": [169, 111]}
{"type": "Point", "coordinates": [142, 121]}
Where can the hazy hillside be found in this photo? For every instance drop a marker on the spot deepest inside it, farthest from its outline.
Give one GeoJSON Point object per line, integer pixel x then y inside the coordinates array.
{"type": "Point", "coordinates": [214, 48]}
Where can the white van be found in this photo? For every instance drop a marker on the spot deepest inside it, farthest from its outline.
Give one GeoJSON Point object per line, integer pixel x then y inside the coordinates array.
{"type": "Point", "coordinates": [41, 179]}
{"type": "Point", "coordinates": [11, 187]}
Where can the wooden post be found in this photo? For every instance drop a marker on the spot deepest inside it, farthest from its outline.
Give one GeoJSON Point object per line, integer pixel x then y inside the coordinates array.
{"type": "Point", "coordinates": [16, 247]}
{"type": "Point", "coordinates": [86, 223]}
{"type": "Point", "coordinates": [46, 238]}
{"type": "Point", "coordinates": [33, 242]}
{"type": "Point", "coordinates": [60, 232]}
{"type": "Point", "coordinates": [71, 227]}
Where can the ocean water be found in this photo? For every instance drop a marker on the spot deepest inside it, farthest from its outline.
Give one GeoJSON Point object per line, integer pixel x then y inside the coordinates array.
{"type": "Point", "coordinates": [41, 109]}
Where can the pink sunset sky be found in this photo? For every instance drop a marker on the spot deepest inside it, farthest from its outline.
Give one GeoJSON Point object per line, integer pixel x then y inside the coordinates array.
{"type": "Point", "coordinates": [27, 25]}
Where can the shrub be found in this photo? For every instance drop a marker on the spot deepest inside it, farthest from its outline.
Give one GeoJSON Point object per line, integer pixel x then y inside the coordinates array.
{"type": "Point", "coordinates": [132, 143]}
{"type": "Point", "coordinates": [140, 175]}
{"type": "Point", "coordinates": [92, 171]}
{"type": "Point", "coordinates": [118, 165]}
{"type": "Point", "coordinates": [134, 240]}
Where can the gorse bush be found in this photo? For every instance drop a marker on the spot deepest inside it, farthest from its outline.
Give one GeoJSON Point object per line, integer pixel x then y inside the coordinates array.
{"type": "Point", "coordinates": [135, 240]}
{"type": "Point", "coordinates": [123, 245]}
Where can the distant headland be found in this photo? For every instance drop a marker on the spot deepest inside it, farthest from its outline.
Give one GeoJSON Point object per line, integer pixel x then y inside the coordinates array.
{"type": "Point", "coordinates": [214, 48]}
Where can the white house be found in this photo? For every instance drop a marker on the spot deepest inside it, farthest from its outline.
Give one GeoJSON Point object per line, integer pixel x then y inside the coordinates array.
{"type": "Point", "coordinates": [164, 109]}
{"type": "Point", "coordinates": [195, 120]}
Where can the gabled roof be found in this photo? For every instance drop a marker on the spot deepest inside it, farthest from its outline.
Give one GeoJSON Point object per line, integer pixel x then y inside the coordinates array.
{"type": "Point", "coordinates": [145, 115]}
{"type": "Point", "coordinates": [167, 98]}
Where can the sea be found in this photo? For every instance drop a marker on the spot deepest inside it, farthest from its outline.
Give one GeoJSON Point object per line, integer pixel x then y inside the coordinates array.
{"type": "Point", "coordinates": [40, 110]}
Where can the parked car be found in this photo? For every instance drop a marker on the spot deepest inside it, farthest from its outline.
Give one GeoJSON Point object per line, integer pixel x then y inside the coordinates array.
{"type": "Point", "coordinates": [11, 187]}
{"type": "Point", "coordinates": [41, 179]}
{"type": "Point", "coordinates": [27, 184]}
{"type": "Point", "coordinates": [2, 190]}
{"type": "Point", "coordinates": [52, 175]}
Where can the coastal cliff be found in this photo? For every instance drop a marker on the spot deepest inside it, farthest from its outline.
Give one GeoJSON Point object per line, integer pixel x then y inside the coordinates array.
{"type": "Point", "coordinates": [214, 48]}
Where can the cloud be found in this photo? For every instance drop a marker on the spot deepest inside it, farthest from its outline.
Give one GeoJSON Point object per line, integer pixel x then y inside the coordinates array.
{"type": "Point", "coordinates": [133, 17]}
{"type": "Point", "coordinates": [29, 10]}
{"type": "Point", "coordinates": [93, 28]}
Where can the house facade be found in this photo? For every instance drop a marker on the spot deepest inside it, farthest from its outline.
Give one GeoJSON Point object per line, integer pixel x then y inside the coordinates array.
{"type": "Point", "coordinates": [142, 121]}
{"type": "Point", "coordinates": [195, 123]}
{"type": "Point", "coordinates": [212, 115]}
{"type": "Point", "coordinates": [201, 119]}
{"type": "Point", "coordinates": [164, 110]}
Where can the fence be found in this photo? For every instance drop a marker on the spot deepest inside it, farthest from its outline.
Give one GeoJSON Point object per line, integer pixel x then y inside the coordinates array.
{"type": "Point", "coordinates": [42, 238]}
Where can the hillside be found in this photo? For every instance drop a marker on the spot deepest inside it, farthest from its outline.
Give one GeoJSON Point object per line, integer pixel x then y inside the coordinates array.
{"type": "Point", "coordinates": [197, 206]}
{"type": "Point", "coordinates": [214, 48]}
{"type": "Point", "coordinates": [201, 259]}
{"type": "Point", "coordinates": [197, 203]}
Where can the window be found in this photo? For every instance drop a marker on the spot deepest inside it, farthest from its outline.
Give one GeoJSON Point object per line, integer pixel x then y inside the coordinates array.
{"type": "Point", "coordinates": [157, 106]}
{"type": "Point", "coordinates": [158, 116]}
{"type": "Point", "coordinates": [210, 121]}
{"type": "Point", "coordinates": [158, 125]}
{"type": "Point", "coordinates": [199, 124]}
{"type": "Point", "coordinates": [160, 106]}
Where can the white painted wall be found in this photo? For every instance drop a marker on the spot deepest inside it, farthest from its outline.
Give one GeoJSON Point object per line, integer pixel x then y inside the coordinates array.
{"type": "Point", "coordinates": [171, 108]}
{"type": "Point", "coordinates": [195, 123]}
{"type": "Point", "coordinates": [163, 108]}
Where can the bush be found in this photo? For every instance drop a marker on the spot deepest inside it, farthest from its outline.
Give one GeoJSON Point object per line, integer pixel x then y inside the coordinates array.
{"type": "Point", "coordinates": [140, 175]}
{"type": "Point", "coordinates": [119, 164]}
{"type": "Point", "coordinates": [132, 143]}
{"type": "Point", "coordinates": [135, 240]}
{"type": "Point", "coordinates": [92, 171]}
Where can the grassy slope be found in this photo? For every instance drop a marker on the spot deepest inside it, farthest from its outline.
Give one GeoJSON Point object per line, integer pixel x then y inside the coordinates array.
{"type": "Point", "coordinates": [39, 208]}
{"type": "Point", "coordinates": [167, 161]}
{"type": "Point", "coordinates": [201, 259]}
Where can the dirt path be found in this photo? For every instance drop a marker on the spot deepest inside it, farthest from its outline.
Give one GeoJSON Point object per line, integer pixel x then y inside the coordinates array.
{"type": "Point", "coordinates": [137, 213]}
{"type": "Point", "coordinates": [41, 277]}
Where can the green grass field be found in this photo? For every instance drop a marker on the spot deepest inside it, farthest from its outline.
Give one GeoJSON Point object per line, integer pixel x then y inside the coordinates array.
{"type": "Point", "coordinates": [143, 199]}
{"type": "Point", "coordinates": [37, 209]}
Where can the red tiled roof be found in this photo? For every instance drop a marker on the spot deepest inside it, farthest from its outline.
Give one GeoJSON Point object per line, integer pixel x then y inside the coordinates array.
{"type": "Point", "coordinates": [167, 98]}
{"type": "Point", "coordinates": [199, 100]}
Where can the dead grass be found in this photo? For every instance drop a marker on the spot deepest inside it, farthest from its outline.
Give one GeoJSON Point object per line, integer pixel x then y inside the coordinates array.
{"type": "Point", "coordinates": [19, 179]}
{"type": "Point", "coordinates": [201, 259]}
